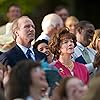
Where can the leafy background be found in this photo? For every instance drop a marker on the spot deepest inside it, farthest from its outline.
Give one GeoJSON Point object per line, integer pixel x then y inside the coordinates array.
{"type": "Point", "coordinates": [37, 9]}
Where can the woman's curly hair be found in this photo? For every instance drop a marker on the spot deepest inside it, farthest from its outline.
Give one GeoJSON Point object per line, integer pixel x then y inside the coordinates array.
{"type": "Point", "coordinates": [56, 40]}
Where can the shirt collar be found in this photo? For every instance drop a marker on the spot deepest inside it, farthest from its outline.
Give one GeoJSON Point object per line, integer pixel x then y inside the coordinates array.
{"type": "Point", "coordinates": [81, 47]}
{"type": "Point", "coordinates": [24, 49]}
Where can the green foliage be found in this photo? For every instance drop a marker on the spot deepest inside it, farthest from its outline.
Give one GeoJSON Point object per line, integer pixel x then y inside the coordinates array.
{"type": "Point", "coordinates": [30, 7]}
{"type": "Point", "coordinates": [26, 5]}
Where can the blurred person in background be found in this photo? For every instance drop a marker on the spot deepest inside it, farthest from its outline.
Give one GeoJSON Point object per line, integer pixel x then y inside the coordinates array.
{"type": "Point", "coordinates": [51, 24]}
{"type": "Point", "coordinates": [97, 62]}
{"type": "Point", "coordinates": [70, 88]}
{"type": "Point", "coordinates": [71, 22]}
{"type": "Point", "coordinates": [62, 11]}
{"type": "Point", "coordinates": [93, 92]}
{"type": "Point", "coordinates": [13, 12]}
{"type": "Point", "coordinates": [2, 97]}
{"type": "Point", "coordinates": [27, 81]}
{"type": "Point", "coordinates": [6, 38]}
{"type": "Point", "coordinates": [1, 76]}
{"type": "Point", "coordinates": [95, 44]}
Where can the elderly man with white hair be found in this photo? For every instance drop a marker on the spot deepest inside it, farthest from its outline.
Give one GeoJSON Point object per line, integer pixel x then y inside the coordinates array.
{"type": "Point", "coordinates": [50, 25]}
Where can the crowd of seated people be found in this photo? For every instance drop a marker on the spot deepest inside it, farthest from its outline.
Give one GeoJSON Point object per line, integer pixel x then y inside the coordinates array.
{"type": "Point", "coordinates": [62, 64]}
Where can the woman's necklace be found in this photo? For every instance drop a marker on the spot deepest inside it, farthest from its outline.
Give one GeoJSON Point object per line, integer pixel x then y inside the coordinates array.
{"type": "Point", "coordinates": [70, 66]}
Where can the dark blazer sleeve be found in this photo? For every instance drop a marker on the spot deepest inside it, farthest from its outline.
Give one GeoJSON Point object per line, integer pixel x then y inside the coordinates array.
{"type": "Point", "coordinates": [5, 60]}
{"type": "Point", "coordinates": [15, 55]}
{"type": "Point", "coordinates": [12, 56]}
{"type": "Point", "coordinates": [1, 52]}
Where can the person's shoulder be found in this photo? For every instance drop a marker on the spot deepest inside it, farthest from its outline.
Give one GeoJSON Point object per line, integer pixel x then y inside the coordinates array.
{"type": "Point", "coordinates": [53, 63]}
{"type": "Point", "coordinates": [77, 52]}
{"type": "Point", "coordinates": [2, 29]}
{"type": "Point", "coordinates": [3, 26]}
{"type": "Point", "coordinates": [40, 37]}
{"type": "Point", "coordinates": [79, 64]}
{"type": "Point", "coordinates": [76, 48]}
{"type": "Point", "coordinates": [8, 53]}
{"type": "Point", "coordinates": [43, 36]}
{"type": "Point", "coordinates": [92, 50]}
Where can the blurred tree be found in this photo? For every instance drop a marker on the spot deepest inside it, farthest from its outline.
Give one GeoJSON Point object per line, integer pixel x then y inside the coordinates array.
{"type": "Point", "coordinates": [35, 9]}
{"type": "Point", "coordinates": [26, 6]}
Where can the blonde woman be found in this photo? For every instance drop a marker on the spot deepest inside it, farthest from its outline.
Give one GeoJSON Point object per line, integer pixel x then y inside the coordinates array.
{"type": "Point", "coordinates": [95, 44]}
{"type": "Point", "coordinates": [71, 22]}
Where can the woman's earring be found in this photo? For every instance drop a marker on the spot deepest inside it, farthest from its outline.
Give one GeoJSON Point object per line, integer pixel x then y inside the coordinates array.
{"type": "Point", "coordinates": [59, 51]}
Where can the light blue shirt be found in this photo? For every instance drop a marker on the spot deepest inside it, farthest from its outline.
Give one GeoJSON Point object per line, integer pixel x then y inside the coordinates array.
{"type": "Point", "coordinates": [24, 49]}
{"type": "Point", "coordinates": [78, 52]}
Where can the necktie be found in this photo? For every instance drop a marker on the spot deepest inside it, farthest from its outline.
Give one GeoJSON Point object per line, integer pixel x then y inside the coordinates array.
{"type": "Point", "coordinates": [86, 56]}
{"type": "Point", "coordinates": [28, 53]}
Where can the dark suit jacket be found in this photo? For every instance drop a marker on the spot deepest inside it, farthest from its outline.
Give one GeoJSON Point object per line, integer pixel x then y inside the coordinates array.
{"type": "Point", "coordinates": [15, 55]}
{"type": "Point", "coordinates": [1, 52]}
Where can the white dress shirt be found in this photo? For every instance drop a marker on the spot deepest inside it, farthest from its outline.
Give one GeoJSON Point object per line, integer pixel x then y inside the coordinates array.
{"type": "Point", "coordinates": [43, 36]}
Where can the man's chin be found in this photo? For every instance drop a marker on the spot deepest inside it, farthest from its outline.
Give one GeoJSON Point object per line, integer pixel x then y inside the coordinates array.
{"type": "Point", "coordinates": [86, 44]}
{"type": "Point", "coordinates": [31, 40]}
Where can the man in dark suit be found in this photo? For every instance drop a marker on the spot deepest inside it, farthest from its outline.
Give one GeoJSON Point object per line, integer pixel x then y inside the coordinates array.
{"type": "Point", "coordinates": [24, 33]}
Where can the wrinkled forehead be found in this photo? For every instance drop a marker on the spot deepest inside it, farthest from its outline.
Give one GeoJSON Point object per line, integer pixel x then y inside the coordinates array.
{"type": "Point", "coordinates": [25, 20]}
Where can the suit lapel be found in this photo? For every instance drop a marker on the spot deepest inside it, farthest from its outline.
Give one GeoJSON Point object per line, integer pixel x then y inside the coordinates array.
{"type": "Point", "coordinates": [19, 53]}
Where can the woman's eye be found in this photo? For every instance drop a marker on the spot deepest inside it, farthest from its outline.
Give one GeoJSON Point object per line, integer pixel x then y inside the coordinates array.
{"type": "Point", "coordinates": [41, 49]}
{"type": "Point", "coordinates": [71, 40]}
{"type": "Point", "coordinates": [68, 41]}
{"type": "Point", "coordinates": [65, 42]}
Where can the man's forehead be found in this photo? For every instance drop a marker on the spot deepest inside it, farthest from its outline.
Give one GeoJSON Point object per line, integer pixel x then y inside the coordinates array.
{"type": "Point", "coordinates": [90, 26]}
{"type": "Point", "coordinates": [25, 20]}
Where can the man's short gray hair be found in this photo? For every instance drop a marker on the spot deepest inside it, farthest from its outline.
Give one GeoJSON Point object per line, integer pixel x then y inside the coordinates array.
{"type": "Point", "coordinates": [51, 20]}
{"type": "Point", "coordinates": [15, 26]}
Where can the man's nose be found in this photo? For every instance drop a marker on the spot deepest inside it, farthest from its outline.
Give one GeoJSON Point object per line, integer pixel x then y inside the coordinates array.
{"type": "Point", "coordinates": [31, 28]}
